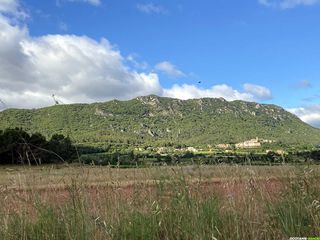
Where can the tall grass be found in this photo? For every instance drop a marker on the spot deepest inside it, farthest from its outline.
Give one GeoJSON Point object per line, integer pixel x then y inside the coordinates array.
{"type": "Point", "coordinates": [297, 212]}
{"type": "Point", "coordinates": [171, 207]}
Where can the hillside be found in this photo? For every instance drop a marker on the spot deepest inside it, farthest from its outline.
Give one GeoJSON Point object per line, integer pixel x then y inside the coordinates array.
{"type": "Point", "coordinates": [157, 121]}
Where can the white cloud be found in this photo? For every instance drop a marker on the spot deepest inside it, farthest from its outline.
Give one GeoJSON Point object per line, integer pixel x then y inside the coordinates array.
{"type": "Point", "coordinates": [302, 84]}
{"type": "Point", "coordinates": [150, 8]}
{"type": "Point", "coordinates": [310, 114]}
{"type": "Point", "coordinates": [13, 9]}
{"type": "Point", "coordinates": [186, 91]}
{"type": "Point", "coordinates": [260, 92]}
{"type": "Point", "coordinates": [63, 26]}
{"type": "Point", "coordinates": [92, 2]}
{"type": "Point", "coordinates": [132, 58]}
{"type": "Point", "coordinates": [286, 4]}
{"type": "Point", "coordinates": [169, 69]}
{"type": "Point", "coordinates": [80, 69]}
{"type": "Point", "coordinates": [75, 68]}
{"type": "Point", "coordinates": [9, 6]}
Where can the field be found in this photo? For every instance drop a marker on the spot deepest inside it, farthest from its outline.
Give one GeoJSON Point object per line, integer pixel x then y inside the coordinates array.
{"type": "Point", "coordinates": [188, 202]}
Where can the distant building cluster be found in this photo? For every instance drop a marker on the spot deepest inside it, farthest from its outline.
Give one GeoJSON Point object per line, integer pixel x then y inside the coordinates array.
{"type": "Point", "coordinates": [252, 143]}
{"type": "Point", "coordinates": [228, 147]}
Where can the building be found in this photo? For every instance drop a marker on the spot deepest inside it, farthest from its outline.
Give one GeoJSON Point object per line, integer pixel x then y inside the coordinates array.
{"type": "Point", "coordinates": [253, 143]}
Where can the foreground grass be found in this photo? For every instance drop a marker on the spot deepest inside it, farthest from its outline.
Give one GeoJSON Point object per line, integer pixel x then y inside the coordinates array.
{"type": "Point", "coordinates": [197, 202]}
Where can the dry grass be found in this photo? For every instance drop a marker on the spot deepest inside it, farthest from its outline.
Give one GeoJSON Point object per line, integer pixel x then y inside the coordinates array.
{"type": "Point", "coordinates": [191, 202]}
{"type": "Point", "coordinates": [61, 175]}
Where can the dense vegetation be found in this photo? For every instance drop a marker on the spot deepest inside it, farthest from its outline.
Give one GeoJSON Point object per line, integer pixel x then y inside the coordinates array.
{"type": "Point", "coordinates": [131, 159]}
{"type": "Point", "coordinates": [19, 147]}
{"type": "Point", "coordinates": [157, 121]}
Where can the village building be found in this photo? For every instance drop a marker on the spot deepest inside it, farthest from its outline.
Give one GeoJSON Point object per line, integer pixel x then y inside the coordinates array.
{"type": "Point", "coordinates": [223, 146]}
{"type": "Point", "coordinates": [253, 143]}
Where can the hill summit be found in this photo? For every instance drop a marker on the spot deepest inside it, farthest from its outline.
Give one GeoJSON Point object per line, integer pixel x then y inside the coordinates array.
{"type": "Point", "coordinates": [153, 120]}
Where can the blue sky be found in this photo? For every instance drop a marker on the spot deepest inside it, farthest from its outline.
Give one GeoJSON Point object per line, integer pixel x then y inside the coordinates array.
{"type": "Point", "coordinates": [259, 50]}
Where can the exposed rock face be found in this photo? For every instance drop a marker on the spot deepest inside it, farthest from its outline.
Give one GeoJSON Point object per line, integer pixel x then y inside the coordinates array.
{"type": "Point", "coordinates": [157, 120]}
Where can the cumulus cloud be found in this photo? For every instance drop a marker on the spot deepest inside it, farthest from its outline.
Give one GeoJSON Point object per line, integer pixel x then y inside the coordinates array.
{"type": "Point", "coordinates": [310, 114]}
{"type": "Point", "coordinates": [13, 9]}
{"type": "Point", "coordinates": [9, 6]}
{"type": "Point", "coordinates": [76, 68]}
{"type": "Point", "coordinates": [286, 4]}
{"type": "Point", "coordinates": [169, 69]}
{"type": "Point", "coordinates": [80, 69]}
{"type": "Point", "coordinates": [260, 92]}
{"type": "Point", "coordinates": [186, 91]}
{"type": "Point", "coordinates": [151, 8]}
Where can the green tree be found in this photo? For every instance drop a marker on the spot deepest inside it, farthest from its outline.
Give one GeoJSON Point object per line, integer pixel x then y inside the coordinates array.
{"type": "Point", "coordinates": [61, 147]}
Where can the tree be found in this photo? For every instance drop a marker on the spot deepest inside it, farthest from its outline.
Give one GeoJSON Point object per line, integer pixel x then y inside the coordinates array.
{"type": "Point", "coordinates": [61, 147]}
{"type": "Point", "coordinates": [19, 147]}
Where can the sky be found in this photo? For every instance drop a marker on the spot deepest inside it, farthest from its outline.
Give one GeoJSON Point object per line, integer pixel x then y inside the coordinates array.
{"type": "Point", "coordinates": [265, 51]}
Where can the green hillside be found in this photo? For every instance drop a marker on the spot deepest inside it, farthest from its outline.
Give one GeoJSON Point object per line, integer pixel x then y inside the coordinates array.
{"type": "Point", "coordinates": [158, 121]}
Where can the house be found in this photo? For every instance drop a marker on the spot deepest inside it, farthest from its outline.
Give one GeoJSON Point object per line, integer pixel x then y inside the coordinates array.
{"type": "Point", "coordinates": [253, 143]}
{"type": "Point", "coordinates": [223, 146]}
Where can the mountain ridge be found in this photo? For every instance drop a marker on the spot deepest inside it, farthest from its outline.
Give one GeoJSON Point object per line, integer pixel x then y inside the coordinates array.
{"type": "Point", "coordinates": [154, 120]}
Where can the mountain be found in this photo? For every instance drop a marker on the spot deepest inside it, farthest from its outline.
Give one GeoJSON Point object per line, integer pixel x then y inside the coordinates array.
{"type": "Point", "coordinates": [157, 121]}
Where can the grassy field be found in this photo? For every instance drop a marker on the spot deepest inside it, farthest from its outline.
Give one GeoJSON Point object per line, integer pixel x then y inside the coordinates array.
{"type": "Point", "coordinates": [190, 202]}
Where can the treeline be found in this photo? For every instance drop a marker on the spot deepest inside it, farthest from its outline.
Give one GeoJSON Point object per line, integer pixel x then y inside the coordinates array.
{"type": "Point", "coordinates": [19, 147]}
{"type": "Point", "coordinates": [129, 158]}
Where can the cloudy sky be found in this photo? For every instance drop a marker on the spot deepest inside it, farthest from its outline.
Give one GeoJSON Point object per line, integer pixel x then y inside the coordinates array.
{"type": "Point", "coordinates": [96, 50]}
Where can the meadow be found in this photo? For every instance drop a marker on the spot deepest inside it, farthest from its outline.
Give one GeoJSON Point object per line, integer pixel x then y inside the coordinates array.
{"type": "Point", "coordinates": [172, 202]}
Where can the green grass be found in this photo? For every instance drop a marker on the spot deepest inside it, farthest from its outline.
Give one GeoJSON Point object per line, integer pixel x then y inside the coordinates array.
{"type": "Point", "coordinates": [297, 212]}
